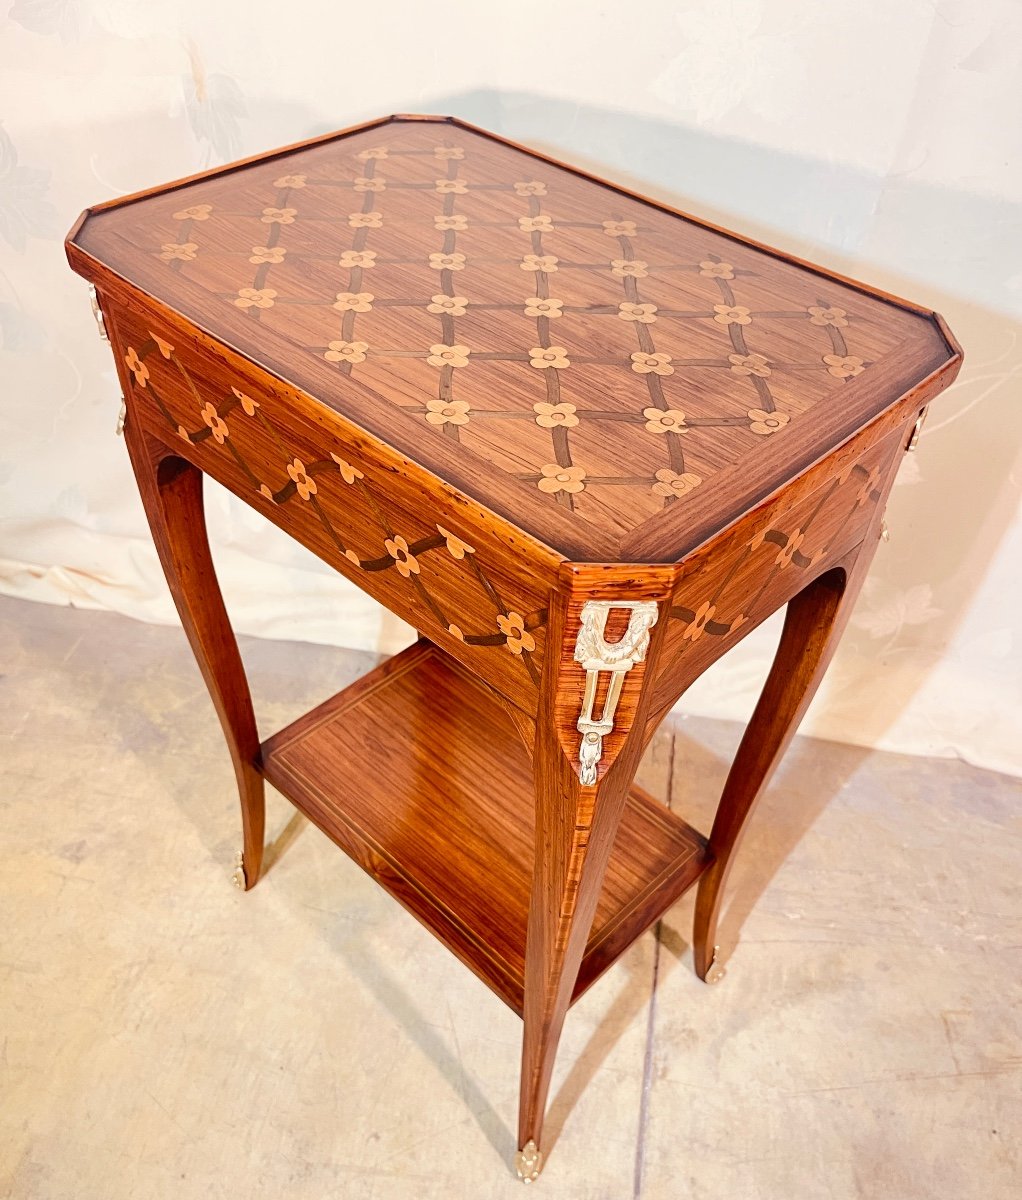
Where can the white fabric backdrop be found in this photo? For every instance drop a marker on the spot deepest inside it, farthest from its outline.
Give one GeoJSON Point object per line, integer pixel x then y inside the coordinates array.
{"type": "Point", "coordinates": [884, 139]}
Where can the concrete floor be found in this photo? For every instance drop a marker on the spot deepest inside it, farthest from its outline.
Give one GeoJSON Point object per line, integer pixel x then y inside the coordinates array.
{"type": "Point", "coordinates": [164, 1035]}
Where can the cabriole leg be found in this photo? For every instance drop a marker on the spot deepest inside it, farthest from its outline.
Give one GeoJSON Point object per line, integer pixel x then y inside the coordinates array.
{"type": "Point", "coordinates": [171, 491]}
{"type": "Point", "coordinates": [813, 625]}
{"type": "Point", "coordinates": [580, 796]}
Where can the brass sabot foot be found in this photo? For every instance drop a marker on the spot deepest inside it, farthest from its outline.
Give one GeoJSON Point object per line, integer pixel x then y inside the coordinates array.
{"type": "Point", "coordinates": [716, 971]}
{"type": "Point", "coordinates": [529, 1162]}
{"type": "Point", "coordinates": [238, 877]}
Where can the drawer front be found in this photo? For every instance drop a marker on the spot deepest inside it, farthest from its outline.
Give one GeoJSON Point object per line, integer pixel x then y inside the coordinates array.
{"type": "Point", "coordinates": [418, 549]}
{"type": "Point", "coordinates": [738, 580]}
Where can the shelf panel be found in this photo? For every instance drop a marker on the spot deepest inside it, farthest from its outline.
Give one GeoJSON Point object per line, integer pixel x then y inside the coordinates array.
{"type": "Point", "coordinates": [417, 773]}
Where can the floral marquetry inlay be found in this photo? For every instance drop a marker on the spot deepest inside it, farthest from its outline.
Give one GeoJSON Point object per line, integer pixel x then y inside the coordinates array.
{"type": "Point", "coordinates": [523, 314]}
{"type": "Point", "coordinates": [440, 566]}
{"type": "Point", "coordinates": [768, 558]}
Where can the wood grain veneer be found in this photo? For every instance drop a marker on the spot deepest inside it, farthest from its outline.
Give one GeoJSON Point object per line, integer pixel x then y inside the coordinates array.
{"type": "Point", "coordinates": [416, 773]}
{"type": "Point", "coordinates": [323, 264]}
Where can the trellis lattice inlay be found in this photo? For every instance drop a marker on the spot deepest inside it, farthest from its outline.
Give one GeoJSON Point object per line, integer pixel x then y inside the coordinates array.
{"type": "Point", "coordinates": [608, 356]}
{"type": "Point", "coordinates": [854, 491]}
{"type": "Point", "coordinates": [155, 368]}
{"type": "Point", "coordinates": [765, 559]}
{"type": "Point", "coordinates": [562, 477]}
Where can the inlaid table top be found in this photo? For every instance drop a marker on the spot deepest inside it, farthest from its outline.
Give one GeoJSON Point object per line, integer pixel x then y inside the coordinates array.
{"type": "Point", "coordinates": [617, 379]}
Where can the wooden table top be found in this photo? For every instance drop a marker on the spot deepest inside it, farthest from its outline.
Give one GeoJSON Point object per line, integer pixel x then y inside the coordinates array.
{"type": "Point", "coordinates": [593, 366]}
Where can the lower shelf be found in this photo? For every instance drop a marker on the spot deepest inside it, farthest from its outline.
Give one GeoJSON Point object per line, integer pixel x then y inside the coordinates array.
{"type": "Point", "coordinates": [417, 773]}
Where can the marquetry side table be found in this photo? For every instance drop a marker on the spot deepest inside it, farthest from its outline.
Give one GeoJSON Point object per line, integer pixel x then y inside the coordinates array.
{"type": "Point", "coordinates": [580, 441]}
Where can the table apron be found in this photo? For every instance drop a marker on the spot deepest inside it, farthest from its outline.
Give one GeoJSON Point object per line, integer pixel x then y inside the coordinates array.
{"type": "Point", "coordinates": [740, 578]}
{"type": "Point", "coordinates": [419, 553]}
